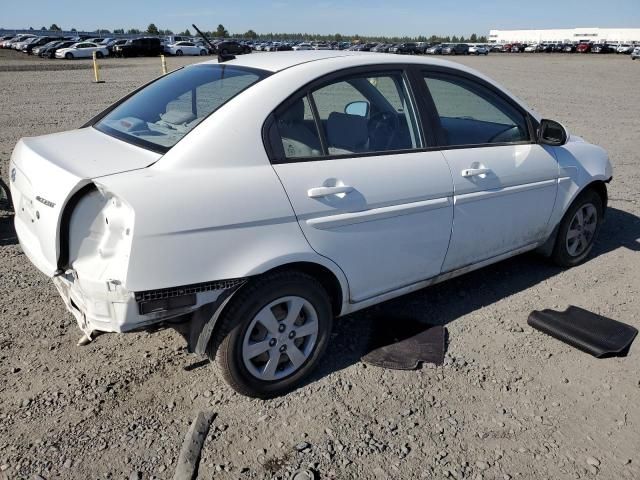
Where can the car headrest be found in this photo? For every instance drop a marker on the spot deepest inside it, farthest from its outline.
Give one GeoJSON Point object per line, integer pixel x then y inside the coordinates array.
{"type": "Point", "coordinates": [349, 132]}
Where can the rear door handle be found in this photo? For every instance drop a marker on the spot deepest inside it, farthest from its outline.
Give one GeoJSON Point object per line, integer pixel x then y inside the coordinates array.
{"type": "Point", "coordinates": [319, 192]}
{"type": "Point", "coordinates": [473, 172]}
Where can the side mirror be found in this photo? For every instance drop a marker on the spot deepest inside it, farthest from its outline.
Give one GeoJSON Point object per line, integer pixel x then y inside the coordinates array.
{"type": "Point", "coordinates": [552, 133]}
{"type": "Point", "coordinates": [359, 108]}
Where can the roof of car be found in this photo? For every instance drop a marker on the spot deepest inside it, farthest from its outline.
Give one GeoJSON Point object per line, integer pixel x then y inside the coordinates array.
{"type": "Point", "coordinates": [277, 61]}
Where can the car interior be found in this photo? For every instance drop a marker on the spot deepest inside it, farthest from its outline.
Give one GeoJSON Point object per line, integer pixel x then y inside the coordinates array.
{"type": "Point", "coordinates": [352, 125]}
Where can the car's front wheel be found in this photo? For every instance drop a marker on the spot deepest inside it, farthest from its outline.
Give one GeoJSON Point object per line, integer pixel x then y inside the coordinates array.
{"type": "Point", "coordinates": [69, 56]}
{"type": "Point", "coordinates": [179, 53]}
{"type": "Point", "coordinates": [99, 55]}
{"type": "Point", "coordinates": [578, 229]}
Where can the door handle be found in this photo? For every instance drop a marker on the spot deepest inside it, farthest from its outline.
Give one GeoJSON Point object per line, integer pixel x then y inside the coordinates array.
{"type": "Point", "coordinates": [473, 172]}
{"type": "Point", "coordinates": [319, 192]}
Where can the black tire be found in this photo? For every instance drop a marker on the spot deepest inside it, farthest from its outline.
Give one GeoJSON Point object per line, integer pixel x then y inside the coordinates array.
{"type": "Point", "coordinates": [99, 55]}
{"type": "Point", "coordinates": [226, 52]}
{"type": "Point", "coordinates": [203, 53]}
{"type": "Point", "coordinates": [179, 53]}
{"type": "Point", "coordinates": [226, 345]}
{"type": "Point", "coordinates": [560, 254]}
{"type": "Point", "coordinates": [69, 56]}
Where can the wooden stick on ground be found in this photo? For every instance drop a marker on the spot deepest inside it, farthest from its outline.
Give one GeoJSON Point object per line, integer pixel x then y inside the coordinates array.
{"type": "Point", "coordinates": [189, 458]}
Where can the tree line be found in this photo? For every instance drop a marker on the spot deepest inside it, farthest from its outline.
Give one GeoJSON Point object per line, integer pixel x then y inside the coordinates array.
{"type": "Point", "coordinates": [222, 32]}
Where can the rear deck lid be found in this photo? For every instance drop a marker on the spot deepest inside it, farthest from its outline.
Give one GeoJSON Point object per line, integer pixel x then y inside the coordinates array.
{"type": "Point", "coordinates": [47, 171]}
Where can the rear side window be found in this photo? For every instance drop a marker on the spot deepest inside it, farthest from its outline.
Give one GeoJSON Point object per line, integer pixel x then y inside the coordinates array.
{"type": "Point", "coordinates": [161, 114]}
{"type": "Point", "coordinates": [356, 115]}
{"type": "Point", "coordinates": [471, 114]}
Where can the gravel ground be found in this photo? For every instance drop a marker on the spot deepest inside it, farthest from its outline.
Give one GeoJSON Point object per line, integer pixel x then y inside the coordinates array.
{"type": "Point", "coordinates": [508, 403]}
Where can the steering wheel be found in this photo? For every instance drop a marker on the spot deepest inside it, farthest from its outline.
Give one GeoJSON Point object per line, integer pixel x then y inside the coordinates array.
{"type": "Point", "coordinates": [383, 125]}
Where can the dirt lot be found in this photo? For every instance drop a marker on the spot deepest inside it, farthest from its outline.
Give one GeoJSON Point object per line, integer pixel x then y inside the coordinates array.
{"type": "Point", "coordinates": [509, 402]}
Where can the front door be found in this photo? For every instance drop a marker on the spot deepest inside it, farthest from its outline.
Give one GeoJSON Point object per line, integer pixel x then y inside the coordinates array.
{"type": "Point", "coordinates": [504, 183]}
{"type": "Point", "coordinates": [364, 195]}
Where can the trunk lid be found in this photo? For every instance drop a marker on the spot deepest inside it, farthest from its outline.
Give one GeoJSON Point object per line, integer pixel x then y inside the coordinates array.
{"type": "Point", "coordinates": [46, 172]}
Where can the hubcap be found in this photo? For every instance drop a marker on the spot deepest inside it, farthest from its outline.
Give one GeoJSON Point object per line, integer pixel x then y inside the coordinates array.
{"type": "Point", "coordinates": [581, 230]}
{"type": "Point", "coordinates": [280, 338]}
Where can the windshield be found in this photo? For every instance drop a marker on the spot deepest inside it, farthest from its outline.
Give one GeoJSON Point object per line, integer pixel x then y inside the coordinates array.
{"type": "Point", "coordinates": [161, 114]}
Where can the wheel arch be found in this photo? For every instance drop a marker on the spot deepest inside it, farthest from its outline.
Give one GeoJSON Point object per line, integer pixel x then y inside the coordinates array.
{"type": "Point", "coordinates": [597, 185]}
{"type": "Point", "coordinates": [322, 274]}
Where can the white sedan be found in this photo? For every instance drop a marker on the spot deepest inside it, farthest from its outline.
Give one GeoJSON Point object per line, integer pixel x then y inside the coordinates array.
{"type": "Point", "coordinates": [249, 203]}
{"type": "Point", "coordinates": [82, 50]}
{"type": "Point", "coordinates": [186, 48]}
{"type": "Point", "coordinates": [478, 50]}
{"type": "Point", "coordinates": [302, 46]}
{"type": "Point", "coordinates": [531, 48]}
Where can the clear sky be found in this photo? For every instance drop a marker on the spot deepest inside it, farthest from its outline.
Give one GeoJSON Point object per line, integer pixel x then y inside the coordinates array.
{"type": "Point", "coordinates": [364, 17]}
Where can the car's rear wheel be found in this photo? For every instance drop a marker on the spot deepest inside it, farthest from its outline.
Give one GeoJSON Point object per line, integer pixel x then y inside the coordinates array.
{"type": "Point", "coordinates": [203, 53]}
{"type": "Point", "coordinates": [273, 334]}
{"type": "Point", "coordinates": [69, 56]}
{"type": "Point", "coordinates": [99, 55]}
{"type": "Point", "coordinates": [179, 53]}
{"type": "Point", "coordinates": [225, 51]}
{"type": "Point", "coordinates": [578, 230]}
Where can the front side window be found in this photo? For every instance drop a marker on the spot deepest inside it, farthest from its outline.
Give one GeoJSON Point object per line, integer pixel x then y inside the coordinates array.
{"type": "Point", "coordinates": [470, 114]}
{"type": "Point", "coordinates": [356, 115]}
{"type": "Point", "coordinates": [161, 114]}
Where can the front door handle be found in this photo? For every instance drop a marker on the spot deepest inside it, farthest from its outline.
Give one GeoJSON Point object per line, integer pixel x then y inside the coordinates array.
{"type": "Point", "coordinates": [474, 172]}
{"type": "Point", "coordinates": [319, 192]}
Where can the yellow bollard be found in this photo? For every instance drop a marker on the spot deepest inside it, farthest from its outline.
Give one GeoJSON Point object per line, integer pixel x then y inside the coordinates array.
{"type": "Point", "coordinates": [96, 70]}
{"type": "Point", "coordinates": [164, 64]}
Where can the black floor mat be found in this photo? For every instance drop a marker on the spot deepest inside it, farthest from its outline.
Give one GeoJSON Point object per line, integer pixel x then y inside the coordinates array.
{"type": "Point", "coordinates": [404, 343]}
{"type": "Point", "coordinates": [592, 333]}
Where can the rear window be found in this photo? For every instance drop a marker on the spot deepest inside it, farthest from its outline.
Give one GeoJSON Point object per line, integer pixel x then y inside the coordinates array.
{"type": "Point", "coordinates": [161, 114]}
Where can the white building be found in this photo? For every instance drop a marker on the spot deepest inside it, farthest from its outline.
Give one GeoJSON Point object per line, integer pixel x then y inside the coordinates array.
{"type": "Point", "coordinates": [566, 35]}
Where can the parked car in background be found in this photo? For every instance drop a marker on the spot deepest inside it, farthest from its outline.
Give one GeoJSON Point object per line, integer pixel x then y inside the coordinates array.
{"type": "Point", "coordinates": [9, 43]}
{"type": "Point", "coordinates": [185, 48]}
{"type": "Point", "coordinates": [533, 48]}
{"type": "Point", "coordinates": [570, 48]}
{"type": "Point", "coordinates": [22, 42]}
{"type": "Point", "coordinates": [408, 48]}
{"type": "Point", "coordinates": [49, 50]}
{"type": "Point", "coordinates": [38, 42]}
{"type": "Point", "coordinates": [321, 46]}
{"type": "Point", "coordinates": [232, 47]}
{"type": "Point", "coordinates": [111, 45]}
{"type": "Point", "coordinates": [139, 47]}
{"type": "Point", "coordinates": [635, 54]}
{"type": "Point", "coordinates": [496, 48]}
{"type": "Point", "coordinates": [544, 48]}
{"type": "Point", "coordinates": [478, 50]}
{"type": "Point", "coordinates": [583, 48]}
{"type": "Point", "coordinates": [603, 48]}
{"type": "Point", "coordinates": [302, 46]}
{"type": "Point", "coordinates": [625, 48]}
{"type": "Point", "coordinates": [518, 47]}
{"type": "Point", "coordinates": [213, 202]}
{"type": "Point", "coordinates": [434, 50]}
{"type": "Point", "coordinates": [82, 50]}
{"type": "Point", "coordinates": [457, 49]}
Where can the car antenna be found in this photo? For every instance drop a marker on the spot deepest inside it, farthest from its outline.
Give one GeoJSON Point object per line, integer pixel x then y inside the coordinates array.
{"type": "Point", "coordinates": [221, 57]}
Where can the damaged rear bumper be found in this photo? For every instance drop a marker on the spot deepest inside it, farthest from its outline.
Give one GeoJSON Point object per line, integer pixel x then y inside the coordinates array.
{"type": "Point", "coordinates": [109, 307]}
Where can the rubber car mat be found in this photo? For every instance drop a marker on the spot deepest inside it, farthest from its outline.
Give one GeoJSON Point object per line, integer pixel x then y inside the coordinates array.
{"type": "Point", "coordinates": [405, 343]}
{"type": "Point", "coordinates": [592, 333]}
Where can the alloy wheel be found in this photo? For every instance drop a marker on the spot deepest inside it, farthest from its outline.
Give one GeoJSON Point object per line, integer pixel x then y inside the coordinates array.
{"type": "Point", "coordinates": [280, 338]}
{"type": "Point", "coordinates": [581, 230]}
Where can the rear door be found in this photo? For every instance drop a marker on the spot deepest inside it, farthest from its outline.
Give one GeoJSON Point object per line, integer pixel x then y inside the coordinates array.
{"type": "Point", "coordinates": [367, 195]}
{"type": "Point", "coordinates": [504, 183]}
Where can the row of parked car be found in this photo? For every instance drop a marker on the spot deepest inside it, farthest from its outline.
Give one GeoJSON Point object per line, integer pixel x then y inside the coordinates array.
{"type": "Point", "coordinates": [580, 47]}
{"type": "Point", "coordinates": [84, 47]}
